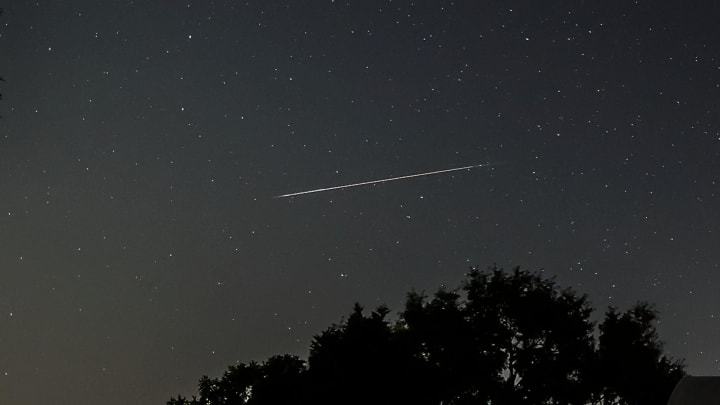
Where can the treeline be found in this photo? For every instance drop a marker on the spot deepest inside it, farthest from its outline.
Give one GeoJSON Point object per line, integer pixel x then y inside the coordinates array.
{"type": "Point", "coordinates": [501, 338]}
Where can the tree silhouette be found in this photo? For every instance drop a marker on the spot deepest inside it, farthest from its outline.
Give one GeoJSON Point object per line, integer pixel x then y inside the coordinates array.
{"type": "Point", "coordinates": [284, 381]}
{"type": "Point", "coordinates": [280, 380]}
{"type": "Point", "coordinates": [631, 358]}
{"type": "Point", "coordinates": [542, 334]}
{"type": "Point", "coordinates": [360, 356]}
{"type": "Point", "coordinates": [451, 361]}
{"type": "Point", "coordinates": [501, 338]}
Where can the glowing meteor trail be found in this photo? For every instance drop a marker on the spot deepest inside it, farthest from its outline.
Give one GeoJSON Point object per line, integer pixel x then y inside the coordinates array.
{"type": "Point", "coordinates": [367, 183]}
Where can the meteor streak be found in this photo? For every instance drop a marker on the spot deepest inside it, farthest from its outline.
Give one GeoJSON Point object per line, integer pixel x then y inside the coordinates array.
{"type": "Point", "coordinates": [367, 183]}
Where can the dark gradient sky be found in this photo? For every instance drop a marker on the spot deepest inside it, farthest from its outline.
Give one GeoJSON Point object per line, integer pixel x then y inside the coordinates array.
{"type": "Point", "coordinates": [142, 143]}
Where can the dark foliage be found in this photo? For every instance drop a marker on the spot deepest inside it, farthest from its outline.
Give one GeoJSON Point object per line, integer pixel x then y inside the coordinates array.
{"type": "Point", "coordinates": [501, 338]}
{"type": "Point", "coordinates": [280, 380]}
{"type": "Point", "coordinates": [360, 356]}
{"type": "Point", "coordinates": [631, 358]}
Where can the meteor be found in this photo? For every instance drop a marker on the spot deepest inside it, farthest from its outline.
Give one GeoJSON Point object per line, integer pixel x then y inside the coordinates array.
{"type": "Point", "coordinates": [367, 183]}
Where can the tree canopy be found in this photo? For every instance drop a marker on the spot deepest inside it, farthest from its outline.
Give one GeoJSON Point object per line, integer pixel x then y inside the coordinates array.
{"type": "Point", "coordinates": [500, 338]}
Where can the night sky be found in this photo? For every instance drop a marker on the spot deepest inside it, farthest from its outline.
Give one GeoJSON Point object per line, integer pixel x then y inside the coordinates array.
{"type": "Point", "coordinates": [142, 143]}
